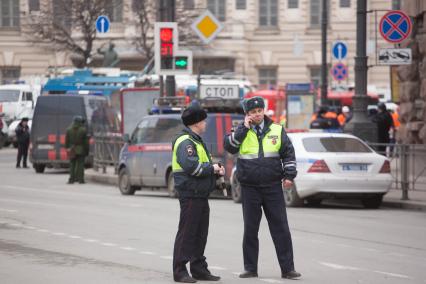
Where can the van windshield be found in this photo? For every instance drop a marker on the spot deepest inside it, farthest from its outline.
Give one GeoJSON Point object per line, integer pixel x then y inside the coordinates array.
{"type": "Point", "coordinates": [9, 96]}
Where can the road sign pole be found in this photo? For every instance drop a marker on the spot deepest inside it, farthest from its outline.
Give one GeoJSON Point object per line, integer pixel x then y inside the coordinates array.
{"type": "Point", "coordinates": [324, 85]}
{"type": "Point", "coordinates": [360, 125]}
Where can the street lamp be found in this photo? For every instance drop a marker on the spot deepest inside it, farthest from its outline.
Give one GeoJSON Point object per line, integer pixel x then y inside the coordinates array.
{"type": "Point", "coordinates": [360, 125]}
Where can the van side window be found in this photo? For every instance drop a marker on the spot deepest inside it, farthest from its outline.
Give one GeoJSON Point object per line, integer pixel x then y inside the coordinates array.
{"type": "Point", "coordinates": [28, 96]}
{"type": "Point", "coordinates": [157, 130]}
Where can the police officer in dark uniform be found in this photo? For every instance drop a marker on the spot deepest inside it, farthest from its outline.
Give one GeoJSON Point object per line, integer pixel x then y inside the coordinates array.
{"type": "Point", "coordinates": [195, 177]}
{"type": "Point", "coordinates": [266, 163]}
{"type": "Point", "coordinates": [23, 138]}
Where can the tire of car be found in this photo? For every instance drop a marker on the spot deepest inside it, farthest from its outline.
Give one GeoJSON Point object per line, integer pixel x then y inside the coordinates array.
{"type": "Point", "coordinates": [372, 202]}
{"type": "Point", "coordinates": [171, 186]}
{"type": "Point", "coordinates": [39, 168]}
{"type": "Point", "coordinates": [236, 190]}
{"type": "Point", "coordinates": [124, 183]}
{"type": "Point", "coordinates": [291, 197]}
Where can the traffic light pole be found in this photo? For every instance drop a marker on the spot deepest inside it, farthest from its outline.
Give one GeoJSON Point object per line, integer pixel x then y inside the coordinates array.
{"type": "Point", "coordinates": [170, 17]}
{"type": "Point", "coordinates": [166, 13]}
{"type": "Point", "coordinates": [360, 125]}
{"type": "Point", "coordinates": [324, 80]}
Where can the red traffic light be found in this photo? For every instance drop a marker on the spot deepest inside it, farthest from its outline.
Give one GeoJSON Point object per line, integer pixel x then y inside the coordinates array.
{"type": "Point", "coordinates": [166, 35]}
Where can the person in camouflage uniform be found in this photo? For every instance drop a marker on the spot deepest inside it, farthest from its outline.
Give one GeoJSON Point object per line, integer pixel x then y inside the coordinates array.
{"type": "Point", "coordinates": [77, 144]}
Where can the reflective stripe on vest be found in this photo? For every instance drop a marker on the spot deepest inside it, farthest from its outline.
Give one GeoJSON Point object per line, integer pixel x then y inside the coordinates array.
{"type": "Point", "coordinates": [271, 143]}
{"type": "Point", "coordinates": [201, 152]}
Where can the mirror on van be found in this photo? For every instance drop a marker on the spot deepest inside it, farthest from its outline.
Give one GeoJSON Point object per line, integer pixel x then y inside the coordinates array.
{"type": "Point", "coordinates": [126, 138]}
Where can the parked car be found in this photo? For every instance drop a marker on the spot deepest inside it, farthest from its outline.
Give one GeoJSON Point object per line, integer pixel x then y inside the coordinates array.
{"type": "Point", "coordinates": [146, 159]}
{"type": "Point", "coordinates": [11, 137]}
{"type": "Point", "coordinates": [53, 114]}
{"type": "Point", "coordinates": [334, 165]}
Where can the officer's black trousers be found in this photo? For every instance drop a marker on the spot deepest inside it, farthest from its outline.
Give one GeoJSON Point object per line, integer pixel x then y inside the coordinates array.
{"type": "Point", "coordinates": [191, 237]}
{"type": "Point", "coordinates": [272, 201]}
{"type": "Point", "coordinates": [22, 154]}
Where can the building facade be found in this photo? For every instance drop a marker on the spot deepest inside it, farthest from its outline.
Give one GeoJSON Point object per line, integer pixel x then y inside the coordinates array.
{"type": "Point", "coordinates": [412, 79]}
{"type": "Point", "coordinates": [272, 42]}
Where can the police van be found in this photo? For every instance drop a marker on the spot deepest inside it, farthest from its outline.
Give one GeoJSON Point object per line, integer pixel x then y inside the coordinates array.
{"type": "Point", "coordinates": [146, 158]}
{"type": "Point", "coordinates": [53, 114]}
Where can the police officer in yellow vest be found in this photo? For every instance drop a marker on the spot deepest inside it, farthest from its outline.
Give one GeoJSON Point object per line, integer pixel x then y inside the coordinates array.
{"type": "Point", "coordinates": [266, 164]}
{"type": "Point", "coordinates": [195, 177]}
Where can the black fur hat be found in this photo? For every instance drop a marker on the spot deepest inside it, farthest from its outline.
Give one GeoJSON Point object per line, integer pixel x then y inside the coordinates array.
{"type": "Point", "coordinates": [193, 113]}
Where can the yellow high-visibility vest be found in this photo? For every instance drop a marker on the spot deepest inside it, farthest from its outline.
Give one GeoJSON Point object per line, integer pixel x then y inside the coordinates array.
{"type": "Point", "coordinates": [271, 144]}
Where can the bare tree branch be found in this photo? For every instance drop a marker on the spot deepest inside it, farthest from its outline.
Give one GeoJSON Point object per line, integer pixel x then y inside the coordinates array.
{"type": "Point", "coordinates": [66, 25]}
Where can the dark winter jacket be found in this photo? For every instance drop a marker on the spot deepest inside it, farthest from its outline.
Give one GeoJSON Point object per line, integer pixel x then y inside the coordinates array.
{"type": "Point", "coordinates": [196, 180]}
{"type": "Point", "coordinates": [262, 171]}
{"type": "Point", "coordinates": [384, 124]}
{"type": "Point", "coordinates": [22, 134]}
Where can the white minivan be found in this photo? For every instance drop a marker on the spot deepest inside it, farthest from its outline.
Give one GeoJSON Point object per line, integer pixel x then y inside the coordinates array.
{"type": "Point", "coordinates": [15, 99]}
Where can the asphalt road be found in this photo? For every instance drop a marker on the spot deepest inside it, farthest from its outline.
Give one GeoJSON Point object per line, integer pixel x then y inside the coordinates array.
{"type": "Point", "coordinates": [51, 232]}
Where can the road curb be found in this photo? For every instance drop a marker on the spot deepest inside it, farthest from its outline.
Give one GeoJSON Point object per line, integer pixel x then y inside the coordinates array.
{"type": "Point", "coordinates": [411, 205]}
{"type": "Point", "coordinates": [102, 178]}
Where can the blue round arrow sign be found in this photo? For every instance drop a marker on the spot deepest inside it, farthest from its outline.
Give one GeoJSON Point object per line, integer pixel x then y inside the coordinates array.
{"type": "Point", "coordinates": [102, 24]}
{"type": "Point", "coordinates": [340, 50]}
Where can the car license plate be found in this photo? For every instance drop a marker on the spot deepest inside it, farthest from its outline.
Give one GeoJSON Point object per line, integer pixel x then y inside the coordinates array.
{"type": "Point", "coordinates": [355, 167]}
{"type": "Point", "coordinates": [45, 147]}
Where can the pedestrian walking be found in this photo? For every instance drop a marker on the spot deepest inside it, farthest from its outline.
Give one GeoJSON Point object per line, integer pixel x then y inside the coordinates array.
{"type": "Point", "coordinates": [384, 122]}
{"type": "Point", "coordinates": [266, 163]}
{"type": "Point", "coordinates": [23, 139]}
{"type": "Point", "coordinates": [195, 177]}
{"type": "Point", "coordinates": [77, 145]}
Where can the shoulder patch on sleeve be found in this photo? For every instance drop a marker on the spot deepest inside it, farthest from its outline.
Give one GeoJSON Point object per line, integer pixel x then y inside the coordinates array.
{"type": "Point", "coordinates": [190, 150]}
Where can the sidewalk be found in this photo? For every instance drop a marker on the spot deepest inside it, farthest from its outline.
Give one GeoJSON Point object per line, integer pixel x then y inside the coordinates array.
{"type": "Point", "coordinates": [417, 198]}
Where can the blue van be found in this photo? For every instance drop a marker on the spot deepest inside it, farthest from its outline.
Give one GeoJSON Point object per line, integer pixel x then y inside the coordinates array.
{"type": "Point", "coordinates": [146, 159]}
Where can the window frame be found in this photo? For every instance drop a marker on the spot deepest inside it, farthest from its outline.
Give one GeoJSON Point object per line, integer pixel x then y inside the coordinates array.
{"type": "Point", "coordinates": [214, 6]}
{"type": "Point", "coordinates": [318, 26]}
{"type": "Point", "coordinates": [189, 4]}
{"type": "Point", "coordinates": [345, 3]}
{"type": "Point", "coordinates": [4, 69]}
{"type": "Point", "coordinates": [271, 13]}
{"type": "Point", "coordinates": [270, 79]}
{"type": "Point", "coordinates": [240, 4]}
{"type": "Point", "coordinates": [293, 4]}
{"type": "Point", "coordinates": [114, 14]}
{"type": "Point", "coordinates": [13, 16]}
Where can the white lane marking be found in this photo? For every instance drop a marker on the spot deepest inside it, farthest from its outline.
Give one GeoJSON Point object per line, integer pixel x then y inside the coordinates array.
{"type": "Point", "coordinates": [370, 249]}
{"type": "Point", "coordinates": [8, 210]}
{"type": "Point", "coordinates": [15, 224]}
{"type": "Point", "coordinates": [338, 266]}
{"type": "Point", "coordinates": [217, 268]}
{"type": "Point", "coordinates": [43, 231]}
{"type": "Point", "coordinates": [74, 237]}
{"type": "Point", "coordinates": [108, 244]}
{"type": "Point", "coordinates": [344, 267]}
{"type": "Point", "coordinates": [236, 273]}
{"type": "Point", "coordinates": [147, 252]}
{"type": "Point", "coordinates": [268, 280]}
{"type": "Point", "coordinates": [397, 254]}
{"type": "Point", "coordinates": [58, 234]}
{"type": "Point", "coordinates": [168, 257]}
{"type": "Point", "coordinates": [91, 240]}
{"type": "Point", "coordinates": [344, 246]}
{"type": "Point", "coordinates": [393, 274]}
{"type": "Point", "coordinates": [127, 248]}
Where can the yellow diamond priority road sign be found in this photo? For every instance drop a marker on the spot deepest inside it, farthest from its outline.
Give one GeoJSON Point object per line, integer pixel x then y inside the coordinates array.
{"type": "Point", "coordinates": [207, 26]}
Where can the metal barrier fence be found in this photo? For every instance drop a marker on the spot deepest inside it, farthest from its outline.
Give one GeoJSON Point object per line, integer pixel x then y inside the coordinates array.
{"type": "Point", "coordinates": [106, 150]}
{"type": "Point", "coordinates": [408, 165]}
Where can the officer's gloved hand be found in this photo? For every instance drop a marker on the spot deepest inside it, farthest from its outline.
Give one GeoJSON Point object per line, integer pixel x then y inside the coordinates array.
{"type": "Point", "coordinates": [219, 169]}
